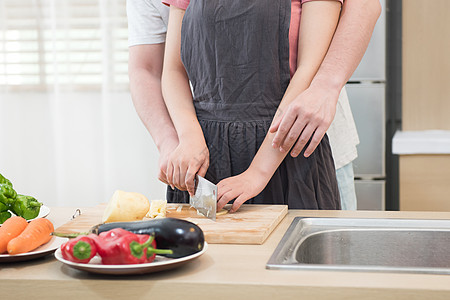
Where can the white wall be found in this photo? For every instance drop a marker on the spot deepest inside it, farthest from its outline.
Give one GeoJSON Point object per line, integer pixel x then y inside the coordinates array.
{"type": "Point", "coordinates": [76, 149]}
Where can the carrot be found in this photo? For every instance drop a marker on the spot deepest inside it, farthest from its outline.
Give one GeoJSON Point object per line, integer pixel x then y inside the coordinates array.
{"type": "Point", "coordinates": [37, 233]}
{"type": "Point", "coordinates": [10, 229]}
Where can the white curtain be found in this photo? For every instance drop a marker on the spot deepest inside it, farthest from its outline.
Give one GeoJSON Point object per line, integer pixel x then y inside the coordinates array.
{"type": "Point", "coordinates": [69, 134]}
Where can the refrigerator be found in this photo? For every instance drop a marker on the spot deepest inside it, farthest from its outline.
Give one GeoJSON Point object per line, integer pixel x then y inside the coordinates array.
{"type": "Point", "coordinates": [366, 92]}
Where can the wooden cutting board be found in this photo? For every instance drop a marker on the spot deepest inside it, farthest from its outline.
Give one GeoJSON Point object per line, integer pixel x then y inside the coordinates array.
{"type": "Point", "coordinates": [251, 224]}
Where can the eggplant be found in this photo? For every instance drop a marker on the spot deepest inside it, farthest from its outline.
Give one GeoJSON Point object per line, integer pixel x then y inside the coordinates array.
{"type": "Point", "coordinates": [182, 237]}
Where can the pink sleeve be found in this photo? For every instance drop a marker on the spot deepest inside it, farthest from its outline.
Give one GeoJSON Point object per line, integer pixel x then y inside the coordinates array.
{"type": "Point", "coordinates": [183, 4]}
{"type": "Point", "coordinates": [304, 1]}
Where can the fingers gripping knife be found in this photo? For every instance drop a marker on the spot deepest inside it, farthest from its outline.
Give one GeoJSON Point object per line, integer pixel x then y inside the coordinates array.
{"type": "Point", "coordinates": [205, 198]}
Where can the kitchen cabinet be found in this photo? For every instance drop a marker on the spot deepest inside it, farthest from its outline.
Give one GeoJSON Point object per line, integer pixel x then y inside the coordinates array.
{"type": "Point", "coordinates": [425, 65]}
{"type": "Point", "coordinates": [424, 182]}
{"type": "Point", "coordinates": [424, 176]}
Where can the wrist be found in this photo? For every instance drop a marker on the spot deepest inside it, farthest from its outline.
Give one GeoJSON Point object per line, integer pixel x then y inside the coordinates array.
{"type": "Point", "coordinates": [166, 140]}
{"type": "Point", "coordinates": [327, 83]}
{"type": "Point", "coordinates": [260, 171]}
{"type": "Point", "coordinates": [191, 135]}
{"type": "Point", "coordinates": [168, 144]}
{"type": "Point", "coordinates": [330, 89]}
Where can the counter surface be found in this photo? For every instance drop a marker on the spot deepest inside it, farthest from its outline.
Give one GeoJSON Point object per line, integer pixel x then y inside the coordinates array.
{"type": "Point", "coordinates": [224, 271]}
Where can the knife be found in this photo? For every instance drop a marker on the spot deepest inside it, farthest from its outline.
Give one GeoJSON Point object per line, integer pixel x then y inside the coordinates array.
{"type": "Point", "coordinates": [205, 198]}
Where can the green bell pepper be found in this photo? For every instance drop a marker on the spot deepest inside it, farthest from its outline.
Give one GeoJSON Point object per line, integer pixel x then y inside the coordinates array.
{"type": "Point", "coordinates": [3, 180]}
{"type": "Point", "coordinates": [7, 195]}
{"type": "Point", "coordinates": [26, 206]}
{"type": "Point", "coordinates": [4, 215]}
{"type": "Point", "coordinates": [3, 207]}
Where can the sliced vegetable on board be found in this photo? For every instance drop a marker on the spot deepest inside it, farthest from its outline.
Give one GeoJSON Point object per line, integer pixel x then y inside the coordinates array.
{"type": "Point", "coordinates": [158, 209]}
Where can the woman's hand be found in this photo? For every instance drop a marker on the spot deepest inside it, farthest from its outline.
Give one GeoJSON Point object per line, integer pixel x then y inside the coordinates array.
{"type": "Point", "coordinates": [241, 188]}
{"type": "Point", "coordinates": [189, 158]}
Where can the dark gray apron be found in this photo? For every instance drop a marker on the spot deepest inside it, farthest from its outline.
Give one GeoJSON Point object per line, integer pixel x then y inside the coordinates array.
{"type": "Point", "coordinates": [236, 54]}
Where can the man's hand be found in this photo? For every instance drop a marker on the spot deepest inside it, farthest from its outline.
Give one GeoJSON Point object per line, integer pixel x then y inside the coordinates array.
{"type": "Point", "coordinates": [312, 112]}
{"type": "Point", "coordinates": [308, 117]}
{"type": "Point", "coordinates": [167, 147]}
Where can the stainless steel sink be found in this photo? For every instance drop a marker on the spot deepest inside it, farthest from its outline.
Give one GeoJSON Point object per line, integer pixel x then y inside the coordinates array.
{"type": "Point", "coordinates": [373, 245]}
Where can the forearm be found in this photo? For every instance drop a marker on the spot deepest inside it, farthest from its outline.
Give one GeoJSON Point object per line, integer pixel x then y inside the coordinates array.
{"type": "Point", "coordinates": [178, 99]}
{"type": "Point", "coordinates": [318, 24]}
{"type": "Point", "coordinates": [268, 159]}
{"type": "Point", "coordinates": [145, 87]}
{"type": "Point", "coordinates": [353, 33]}
{"type": "Point", "coordinates": [175, 82]}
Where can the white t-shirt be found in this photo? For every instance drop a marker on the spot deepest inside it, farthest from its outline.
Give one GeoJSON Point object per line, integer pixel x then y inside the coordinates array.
{"type": "Point", "coordinates": [342, 133]}
{"type": "Point", "coordinates": [147, 24]}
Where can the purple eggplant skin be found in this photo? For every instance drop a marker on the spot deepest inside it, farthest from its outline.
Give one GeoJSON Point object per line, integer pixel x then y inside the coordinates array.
{"type": "Point", "coordinates": [182, 237]}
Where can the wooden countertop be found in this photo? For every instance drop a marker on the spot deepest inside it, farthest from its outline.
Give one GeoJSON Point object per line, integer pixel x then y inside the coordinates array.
{"type": "Point", "coordinates": [223, 272]}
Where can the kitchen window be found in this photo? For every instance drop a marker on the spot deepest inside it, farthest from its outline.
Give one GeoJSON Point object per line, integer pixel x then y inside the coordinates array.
{"type": "Point", "coordinates": [77, 45]}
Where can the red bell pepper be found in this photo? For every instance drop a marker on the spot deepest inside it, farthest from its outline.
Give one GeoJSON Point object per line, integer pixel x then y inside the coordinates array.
{"type": "Point", "coordinates": [108, 247]}
{"type": "Point", "coordinates": [113, 234]}
{"type": "Point", "coordinates": [151, 249]}
{"type": "Point", "coordinates": [119, 246]}
{"type": "Point", "coordinates": [80, 249]}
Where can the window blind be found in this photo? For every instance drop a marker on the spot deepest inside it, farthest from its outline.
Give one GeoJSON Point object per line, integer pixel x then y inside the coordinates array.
{"type": "Point", "coordinates": [73, 44]}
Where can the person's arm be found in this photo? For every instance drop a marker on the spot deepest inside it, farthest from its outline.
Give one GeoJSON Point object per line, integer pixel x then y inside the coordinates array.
{"type": "Point", "coordinates": [311, 114]}
{"type": "Point", "coordinates": [317, 26]}
{"type": "Point", "coordinates": [146, 37]}
{"type": "Point", "coordinates": [145, 70]}
{"type": "Point", "coordinates": [191, 155]}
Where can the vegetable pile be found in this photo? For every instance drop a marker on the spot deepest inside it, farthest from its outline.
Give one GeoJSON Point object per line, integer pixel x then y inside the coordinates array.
{"type": "Point", "coordinates": [24, 206]}
{"type": "Point", "coordinates": [183, 237]}
{"type": "Point", "coordinates": [18, 236]}
{"type": "Point", "coordinates": [134, 242]}
{"type": "Point", "coordinates": [115, 247]}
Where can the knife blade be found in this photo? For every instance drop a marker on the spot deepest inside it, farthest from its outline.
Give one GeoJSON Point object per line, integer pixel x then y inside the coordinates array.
{"type": "Point", "coordinates": [205, 198]}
